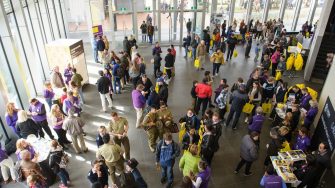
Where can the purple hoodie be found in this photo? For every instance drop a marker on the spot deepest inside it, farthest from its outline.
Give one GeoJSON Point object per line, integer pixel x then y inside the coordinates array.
{"type": "Point", "coordinates": [305, 101]}
{"type": "Point", "coordinates": [48, 94]}
{"type": "Point", "coordinates": [40, 109]}
{"type": "Point", "coordinates": [205, 176]}
{"type": "Point", "coordinates": [256, 123]}
{"type": "Point", "coordinates": [138, 99]}
{"type": "Point", "coordinates": [302, 143]}
{"type": "Point", "coordinates": [310, 115]}
{"type": "Point", "coordinates": [68, 75]}
{"type": "Point", "coordinates": [11, 120]}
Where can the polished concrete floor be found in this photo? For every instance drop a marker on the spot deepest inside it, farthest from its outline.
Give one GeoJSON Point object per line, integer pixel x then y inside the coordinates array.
{"type": "Point", "coordinates": [225, 160]}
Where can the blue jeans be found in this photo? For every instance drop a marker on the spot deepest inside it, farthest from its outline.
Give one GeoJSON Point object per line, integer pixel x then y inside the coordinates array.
{"type": "Point", "coordinates": [150, 38]}
{"type": "Point", "coordinates": [95, 55]}
{"type": "Point", "coordinates": [49, 102]}
{"type": "Point", "coordinates": [64, 176]}
{"type": "Point", "coordinates": [144, 37]}
{"type": "Point", "coordinates": [194, 50]}
{"type": "Point", "coordinates": [81, 95]}
{"type": "Point", "coordinates": [167, 172]}
{"type": "Point", "coordinates": [117, 81]}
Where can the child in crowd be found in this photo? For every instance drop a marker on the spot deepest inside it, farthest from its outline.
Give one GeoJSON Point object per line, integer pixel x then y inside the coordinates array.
{"type": "Point", "coordinates": [48, 93]}
{"type": "Point", "coordinates": [58, 161]}
{"type": "Point", "coordinates": [32, 181]}
{"type": "Point", "coordinates": [282, 64]}
{"type": "Point", "coordinates": [101, 132]}
{"type": "Point", "coordinates": [98, 174]}
{"type": "Point", "coordinates": [256, 122]}
{"type": "Point", "coordinates": [64, 95]}
{"type": "Point", "coordinates": [131, 167]}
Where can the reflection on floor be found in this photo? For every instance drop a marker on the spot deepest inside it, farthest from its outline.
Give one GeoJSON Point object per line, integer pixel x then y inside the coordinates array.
{"type": "Point", "coordinates": [224, 160]}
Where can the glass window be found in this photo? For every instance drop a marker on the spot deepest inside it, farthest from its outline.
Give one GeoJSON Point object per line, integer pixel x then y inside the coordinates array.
{"type": "Point", "coordinates": [303, 15]}
{"type": "Point", "coordinates": [240, 12]}
{"type": "Point", "coordinates": [257, 10]}
{"type": "Point", "coordinates": [274, 9]}
{"type": "Point", "coordinates": [76, 15]}
{"type": "Point", "coordinates": [289, 14]}
{"type": "Point", "coordinates": [317, 11]}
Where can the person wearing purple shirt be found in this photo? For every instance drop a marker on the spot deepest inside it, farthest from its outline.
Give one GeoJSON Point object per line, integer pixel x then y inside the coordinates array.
{"type": "Point", "coordinates": [256, 122]}
{"type": "Point", "coordinates": [71, 101]}
{"type": "Point", "coordinates": [22, 144]}
{"type": "Point", "coordinates": [138, 103]}
{"type": "Point", "coordinates": [48, 93]}
{"type": "Point", "coordinates": [203, 177]}
{"type": "Point", "coordinates": [306, 97]}
{"type": "Point", "coordinates": [303, 141]}
{"type": "Point", "coordinates": [39, 115]}
{"type": "Point", "coordinates": [5, 164]}
{"type": "Point", "coordinates": [68, 74]}
{"type": "Point", "coordinates": [271, 179]}
{"type": "Point", "coordinates": [310, 114]}
{"type": "Point", "coordinates": [11, 117]}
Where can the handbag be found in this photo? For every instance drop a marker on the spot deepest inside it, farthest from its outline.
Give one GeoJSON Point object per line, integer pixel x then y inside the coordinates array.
{"type": "Point", "coordinates": [182, 132]}
{"type": "Point", "coordinates": [174, 128]}
{"type": "Point", "coordinates": [189, 53]}
{"type": "Point", "coordinates": [278, 75]}
{"type": "Point", "coordinates": [266, 107]}
{"type": "Point", "coordinates": [212, 58]}
{"type": "Point", "coordinates": [64, 161]}
{"type": "Point", "coordinates": [248, 107]}
{"type": "Point", "coordinates": [235, 53]}
{"type": "Point", "coordinates": [197, 63]}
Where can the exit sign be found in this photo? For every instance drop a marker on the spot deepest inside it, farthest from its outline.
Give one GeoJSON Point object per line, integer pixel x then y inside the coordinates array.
{"type": "Point", "coordinates": [147, 8]}
{"type": "Point", "coordinates": [123, 9]}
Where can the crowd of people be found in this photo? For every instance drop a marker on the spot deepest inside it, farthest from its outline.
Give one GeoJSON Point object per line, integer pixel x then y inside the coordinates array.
{"type": "Point", "coordinates": [200, 129]}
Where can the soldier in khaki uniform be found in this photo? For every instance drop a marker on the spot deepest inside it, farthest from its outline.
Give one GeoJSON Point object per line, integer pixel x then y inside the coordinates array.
{"type": "Point", "coordinates": [165, 115]}
{"type": "Point", "coordinates": [118, 127]}
{"type": "Point", "coordinates": [151, 125]}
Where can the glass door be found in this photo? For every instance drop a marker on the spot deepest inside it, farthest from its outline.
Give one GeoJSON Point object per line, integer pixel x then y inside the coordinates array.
{"type": "Point", "coordinates": [169, 13]}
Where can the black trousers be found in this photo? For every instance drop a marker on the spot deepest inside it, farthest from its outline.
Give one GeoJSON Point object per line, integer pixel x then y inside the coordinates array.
{"type": "Point", "coordinates": [169, 73]}
{"type": "Point", "coordinates": [216, 68]}
{"type": "Point", "coordinates": [207, 156]}
{"type": "Point", "coordinates": [231, 115]}
{"type": "Point", "coordinates": [222, 112]}
{"type": "Point", "coordinates": [204, 103]}
{"type": "Point", "coordinates": [274, 68]}
{"type": "Point", "coordinates": [230, 53]}
{"type": "Point", "coordinates": [44, 125]}
{"type": "Point", "coordinates": [156, 70]}
{"type": "Point", "coordinates": [247, 50]}
{"type": "Point", "coordinates": [247, 166]}
{"type": "Point", "coordinates": [61, 133]}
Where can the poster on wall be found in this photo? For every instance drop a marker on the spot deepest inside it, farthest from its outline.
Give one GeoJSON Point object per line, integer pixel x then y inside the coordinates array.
{"type": "Point", "coordinates": [325, 130]}
{"type": "Point", "coordinates": [97, 30]}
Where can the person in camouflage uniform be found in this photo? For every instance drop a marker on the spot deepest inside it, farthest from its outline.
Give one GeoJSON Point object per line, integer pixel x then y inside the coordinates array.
{"type": "Point", "coordinates": [164, 115]}
{"type": "Point", "coordinates": [152, 124]}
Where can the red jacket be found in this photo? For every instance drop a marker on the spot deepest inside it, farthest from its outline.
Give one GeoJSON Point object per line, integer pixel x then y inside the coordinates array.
{"type": "Point", "coordinates": [203, 91]}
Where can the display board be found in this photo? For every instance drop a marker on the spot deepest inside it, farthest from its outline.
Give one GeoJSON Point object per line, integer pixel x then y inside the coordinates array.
{"type": "Point", "coordinates": [67, 51]}
{"type": "Point", "coordinates": [325, 130]}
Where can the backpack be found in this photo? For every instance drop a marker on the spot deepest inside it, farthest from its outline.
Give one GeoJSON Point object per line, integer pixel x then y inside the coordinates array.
{"type": "Point", "coordinates": [120, 71]}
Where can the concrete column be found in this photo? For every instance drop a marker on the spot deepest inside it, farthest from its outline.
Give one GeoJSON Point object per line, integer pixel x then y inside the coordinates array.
{"type": "Point", "coordinates": [203, 15]}
{"type": "Point", "coordinates": [181, 22]}
{"type": "Point", "coordinates": [175, 20]}
{"type": "Point", "coordinates": [111, 19]}
{"type": "Point", "coordinates": [283, 4]}
{"type": "Point", "coordinates": [89, 21]}
{"type": "Point", "coordinates": [134, 16]}
{"type": "Point", "coordinates": [296, 15]}
{"type": "Point", "coordinates": [154, 11]}
{"type": "Point", "coordinates": [214, 6]}
{"type": "Point", "coordinates": [317, 39]}
{"type": "Point", "coordinates": [231, 12]}
{"type": "Point", "coordinates": [248, 16]}
{"type": "Point", "coordinates": [194, 21]}
{"type": "Point", "coordinates": [17, 63]}
{"type": "Point", "coordinates": [311, 14]}
{"type": "Point", "coordinates": [159, 21]}
{"type": "Point", "coordinates": [266, 11]}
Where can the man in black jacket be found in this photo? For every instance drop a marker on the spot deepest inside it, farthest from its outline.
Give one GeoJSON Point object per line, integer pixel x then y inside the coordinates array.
{"type": "Point", "coordinates": [238, 100]}
{"type": "Point", "coordinates": [101, 48]}
{"type": "Point", "coordinates": [232, 41]}
{"type": "Point", "coordinates": [103, 85]}
{"type": "Point", "coordinates": [126, 45]}
{"type": "Point", "coordinates": [169, 63]}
